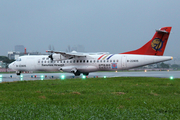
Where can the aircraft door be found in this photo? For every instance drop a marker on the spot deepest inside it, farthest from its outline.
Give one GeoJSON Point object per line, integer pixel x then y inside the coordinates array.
{"type": "Point", "coordinates": [124, 63]}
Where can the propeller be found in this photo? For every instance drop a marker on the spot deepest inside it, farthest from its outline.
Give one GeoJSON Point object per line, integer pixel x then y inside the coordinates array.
{"type": "Point", "coordinates": [51, 50]}
{"type": "Point", "coordinates": [51, 57]}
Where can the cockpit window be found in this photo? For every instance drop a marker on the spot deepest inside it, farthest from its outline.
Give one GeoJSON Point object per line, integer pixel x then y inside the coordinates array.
{"type": "Point", "coordinates": [19, 59]}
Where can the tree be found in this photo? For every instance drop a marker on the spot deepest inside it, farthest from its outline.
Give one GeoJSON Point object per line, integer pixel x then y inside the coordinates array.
{"type": "Point", "coordinates": [6, 60]}
{"type": "Point", "coordinates": [175, 66]}
{"type": "Point", "coordinates": [163, 65]}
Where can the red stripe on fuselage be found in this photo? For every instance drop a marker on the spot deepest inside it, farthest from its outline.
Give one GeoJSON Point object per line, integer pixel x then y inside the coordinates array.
{"type": "Point", "coordinates": [100, 57]}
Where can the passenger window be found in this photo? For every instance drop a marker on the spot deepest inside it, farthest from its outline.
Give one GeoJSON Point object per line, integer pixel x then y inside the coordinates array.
{"type": "Point", "coordinates": [117, 60]}
{"type": "Point", "coordinates": [87, 61]}
{"type": "Point", "coordinates": [74, 61]}
{"type": "Point", "coordinates": [41, 61]}
{"type": "Point", "coordinates": [97, 61]}
{"type": "Point", "coordinates": [83, 61]}
{"type": "Point", "coordinates": [104, 60]}
{"type": "Point", "coordinates": [70, 61]}
{"type": "Point", "coordinates": [44, 61]}
{"type": "Point", "coordinates": [67, 61]}
{"type": "Point", "coordinates": [107, 61]}
{"type": "Point", "coordinates": [80, 61]}
{"type": "Point", "coordinates": [94, 61]}
{"type": "Point", "coordinates": [77, 61]}
{"type": "Point", "coordinates": [113, 60]}
{"type": "Point", "coordinates": [100, 60]}
{"type": "Point", "coordinates": [64, 61]}
{"type": "Point", "coordinates": [110, 60]}
{"type": "Point", "coordinates": [38, 61]}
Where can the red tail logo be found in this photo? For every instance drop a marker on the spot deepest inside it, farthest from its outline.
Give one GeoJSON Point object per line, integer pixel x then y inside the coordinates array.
{"type": "Point", "coordinates": [156, 45]}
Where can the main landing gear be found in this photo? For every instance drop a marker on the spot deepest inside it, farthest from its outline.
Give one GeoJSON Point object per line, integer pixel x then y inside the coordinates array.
{"type": "Point", "coordinates": [78, 73]}
{"type": "Point", "coordinates": [86, 74]}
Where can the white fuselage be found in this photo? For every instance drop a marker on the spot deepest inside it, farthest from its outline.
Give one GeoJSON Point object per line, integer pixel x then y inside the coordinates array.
{"type": "Point", "coordinates": [90, 63]}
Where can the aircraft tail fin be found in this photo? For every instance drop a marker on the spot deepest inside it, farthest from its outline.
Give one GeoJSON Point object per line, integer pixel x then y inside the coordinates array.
{"type": "Point", "coordinates": [156, 45]}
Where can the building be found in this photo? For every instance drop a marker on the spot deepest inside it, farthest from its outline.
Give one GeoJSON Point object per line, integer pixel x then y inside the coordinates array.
{"type": "Point", "coordinates": [15, 55]}
{"type": "Point", "coordinates": [19, 48]}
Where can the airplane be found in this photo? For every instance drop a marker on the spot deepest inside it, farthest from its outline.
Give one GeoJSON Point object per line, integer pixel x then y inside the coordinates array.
{"type": "Point", "coordinates": [84, 63]}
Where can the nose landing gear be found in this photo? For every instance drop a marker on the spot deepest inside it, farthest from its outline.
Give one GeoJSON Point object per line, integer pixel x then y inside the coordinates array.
{"type": "Point", "coordinates": [18, 72]}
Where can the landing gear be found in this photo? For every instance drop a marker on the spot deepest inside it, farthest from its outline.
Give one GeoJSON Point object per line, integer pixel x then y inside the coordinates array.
{"type": "Point", "coordinates": [77, 74]}
{"type": "Point", "coordinates": [18, 72]}
{"type": "Point", "coordinates": [86, 74]}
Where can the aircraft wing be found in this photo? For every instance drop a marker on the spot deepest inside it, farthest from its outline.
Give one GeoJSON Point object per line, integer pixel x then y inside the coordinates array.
{"type": "Point", "coordinates": [69, 55]}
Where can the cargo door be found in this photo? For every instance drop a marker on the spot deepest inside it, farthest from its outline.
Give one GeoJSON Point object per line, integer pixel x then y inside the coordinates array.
{"type": "Point", "coordinates": [124, 62]}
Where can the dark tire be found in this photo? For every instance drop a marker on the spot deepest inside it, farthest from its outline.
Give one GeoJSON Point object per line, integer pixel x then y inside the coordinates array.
{"type": "Point", "coordinates": [18, 72]}
{"type": "Point", "coordinates": [77, 74]}
{"type": "Point", "coordinates": [86, 74]}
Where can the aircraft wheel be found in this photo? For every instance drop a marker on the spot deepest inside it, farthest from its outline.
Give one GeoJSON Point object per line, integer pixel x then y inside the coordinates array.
{"type": "Point", "coordinates": [86, 74]}
{"type": "Point", "coordinates": [77, 74]}
{"type": "Point", "coordinates": [18, 72]}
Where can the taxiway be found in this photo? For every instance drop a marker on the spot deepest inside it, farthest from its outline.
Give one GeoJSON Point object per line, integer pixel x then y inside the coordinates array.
{"type": "Point", "coordinates": [44, 76]}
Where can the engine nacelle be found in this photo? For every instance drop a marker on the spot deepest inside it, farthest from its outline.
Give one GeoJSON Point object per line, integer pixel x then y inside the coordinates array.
{"type": "Point", "coordinates": [57, 57]}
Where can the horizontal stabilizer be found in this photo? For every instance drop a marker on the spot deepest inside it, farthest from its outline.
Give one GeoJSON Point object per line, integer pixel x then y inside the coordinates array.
{"type": "Point", "coordinates": [161, 31]}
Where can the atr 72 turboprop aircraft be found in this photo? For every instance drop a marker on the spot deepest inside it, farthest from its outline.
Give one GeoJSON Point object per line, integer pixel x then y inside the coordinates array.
{"type": "Point", "coordinates": [85, 63]}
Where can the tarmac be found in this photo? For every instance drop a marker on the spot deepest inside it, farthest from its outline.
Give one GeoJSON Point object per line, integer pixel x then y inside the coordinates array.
{"type": "Point", "coordinates": [10, 77]}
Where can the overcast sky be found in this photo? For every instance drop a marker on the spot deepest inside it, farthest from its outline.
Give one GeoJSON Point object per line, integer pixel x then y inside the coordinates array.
{"type": "Point", "coordinates": [113, 26]}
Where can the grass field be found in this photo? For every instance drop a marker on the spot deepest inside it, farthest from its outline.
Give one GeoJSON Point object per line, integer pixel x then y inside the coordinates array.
{"type": "Point", "coordinates": [92, 98]}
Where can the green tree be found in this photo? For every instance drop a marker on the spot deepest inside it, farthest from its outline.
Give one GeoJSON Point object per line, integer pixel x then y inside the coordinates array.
{"type": "Point", "coordinates": [6, 60]}
{"type": "Point", "coordinates": [175, 66]}
{"type": "Point", "coordinates": [163, 65]}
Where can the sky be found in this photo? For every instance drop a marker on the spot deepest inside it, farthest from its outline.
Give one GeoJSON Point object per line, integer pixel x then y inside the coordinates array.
{"type": "Point", "coordinates": [113, 26]}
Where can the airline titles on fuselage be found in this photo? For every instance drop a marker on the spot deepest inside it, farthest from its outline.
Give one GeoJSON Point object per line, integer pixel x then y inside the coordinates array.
{"type": "Point", "coordinates": [52, 65]}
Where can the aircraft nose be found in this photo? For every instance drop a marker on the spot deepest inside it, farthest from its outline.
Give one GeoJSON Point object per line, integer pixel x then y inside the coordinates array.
{"type": "Point", "coordinates": [10, 65]}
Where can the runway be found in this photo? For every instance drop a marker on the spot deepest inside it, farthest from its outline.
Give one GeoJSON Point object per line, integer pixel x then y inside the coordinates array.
{"type": "Point", "coordinates": [44, 76]}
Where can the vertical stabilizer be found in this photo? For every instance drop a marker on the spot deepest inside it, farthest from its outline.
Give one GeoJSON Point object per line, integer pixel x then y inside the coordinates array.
{"type": "Point", "coordinates": [156, 45]}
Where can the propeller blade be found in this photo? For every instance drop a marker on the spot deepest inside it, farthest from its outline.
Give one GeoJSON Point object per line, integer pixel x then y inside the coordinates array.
{"type": "Point", "coordinates": [51, 57]}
